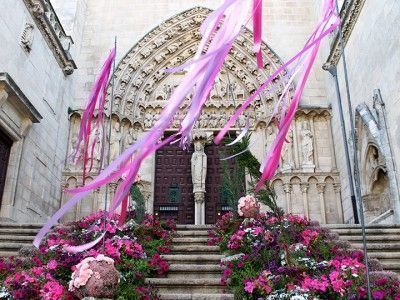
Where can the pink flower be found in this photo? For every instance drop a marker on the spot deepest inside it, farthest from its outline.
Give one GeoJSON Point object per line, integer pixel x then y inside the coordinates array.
{"type": "Point", "coordinates": [249, 287]}
{"type": "Point", "coordinates": [52, 264]}
{"type": "Point", "coordinates": [52, 290]}
{"type": "Point", "coordinates": [378, 295]}
{"type": "Point", "coordinates": [257, 230]}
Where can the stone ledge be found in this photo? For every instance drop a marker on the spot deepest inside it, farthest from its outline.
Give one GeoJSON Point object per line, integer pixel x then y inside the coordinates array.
{"type": "Point", "coordinates": [59, 42]}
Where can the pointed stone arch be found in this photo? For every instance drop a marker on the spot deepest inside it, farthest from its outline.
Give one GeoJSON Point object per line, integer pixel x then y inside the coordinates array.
{"type": "Point", "coordinates": [142, 87]}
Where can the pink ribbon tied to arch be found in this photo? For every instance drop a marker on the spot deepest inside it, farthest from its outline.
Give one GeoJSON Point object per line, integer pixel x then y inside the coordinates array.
{"type": "Point", "coordinates": [219, 31]}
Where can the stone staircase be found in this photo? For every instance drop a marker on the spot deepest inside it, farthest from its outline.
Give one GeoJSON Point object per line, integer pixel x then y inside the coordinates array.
{"type": "Point", "coordinates": [194, 266]}
{"type": "Point", "coordinates": [383, 242]}
{"type": "Point", "coordinates": [195, 271]}
{"type": "Point", "coordinates": [14, 236]}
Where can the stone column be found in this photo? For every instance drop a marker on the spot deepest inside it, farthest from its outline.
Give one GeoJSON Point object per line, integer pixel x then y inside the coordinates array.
{"type": "Point", "coordinates": [287, 187]}
{"type": "Point", "coordinates": [304, 189]}
{"type": "Point", "coordinates": [336, 188]}
{"type": "Point", "coordinates": [199, 172]}
{"type": "Point", "coordinates": [321, 189]}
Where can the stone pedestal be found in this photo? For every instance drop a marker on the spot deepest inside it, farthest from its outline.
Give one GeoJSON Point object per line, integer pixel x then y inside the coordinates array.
{"type": "Point", "coordinates": [199, 208]}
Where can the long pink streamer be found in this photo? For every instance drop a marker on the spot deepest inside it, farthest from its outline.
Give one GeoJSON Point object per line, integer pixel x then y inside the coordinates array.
{"type": "Point", "coordinates": [96, 98]}
{"type": "Point", "coordinates": [257, 30]}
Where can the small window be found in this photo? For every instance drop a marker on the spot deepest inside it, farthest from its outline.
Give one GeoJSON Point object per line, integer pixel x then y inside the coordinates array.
{"type": "Point", "coordinates": [174, 194]}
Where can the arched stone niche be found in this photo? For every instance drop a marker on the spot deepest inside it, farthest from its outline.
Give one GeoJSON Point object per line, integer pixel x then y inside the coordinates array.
{"type": "Point", "coordinates": [378, 188]}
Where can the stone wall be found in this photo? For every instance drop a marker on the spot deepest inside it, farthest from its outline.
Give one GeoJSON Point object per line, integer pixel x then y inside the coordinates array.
{"type": "Point", "coordinates": [373, 57]}
{"type": "Point", "coordinates": [37, 157]}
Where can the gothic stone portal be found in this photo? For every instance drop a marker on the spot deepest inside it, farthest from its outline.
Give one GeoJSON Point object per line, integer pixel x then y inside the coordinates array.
{"type": "Point", "coordinates": [174, 195]}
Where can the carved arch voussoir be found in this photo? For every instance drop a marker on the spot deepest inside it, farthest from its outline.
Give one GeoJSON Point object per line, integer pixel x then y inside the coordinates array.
{"type": "Point", "coordinates": [142, 87]}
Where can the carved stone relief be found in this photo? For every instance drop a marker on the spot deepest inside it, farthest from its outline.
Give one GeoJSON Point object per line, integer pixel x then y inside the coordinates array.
{"type": "Point", "coordinates": [27, 37]}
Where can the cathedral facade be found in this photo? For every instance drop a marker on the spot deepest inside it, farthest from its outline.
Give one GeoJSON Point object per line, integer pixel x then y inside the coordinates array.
{"type": "Point", "coordinates": [57, 47]}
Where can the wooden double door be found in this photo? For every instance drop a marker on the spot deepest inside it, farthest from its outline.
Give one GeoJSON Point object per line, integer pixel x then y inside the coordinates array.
{"type": "Point", "coordinates": [173, 192]}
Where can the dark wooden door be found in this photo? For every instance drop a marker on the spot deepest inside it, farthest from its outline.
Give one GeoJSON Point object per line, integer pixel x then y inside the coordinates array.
{"type": "Point", "coordinates": [5, 148]}
{"type": "Point", "coordinates": [214, 204]}
{"type": "Point", "coordinates": [173, 191]}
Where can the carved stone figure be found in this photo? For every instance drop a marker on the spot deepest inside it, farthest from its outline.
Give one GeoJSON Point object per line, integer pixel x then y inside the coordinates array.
{"type": "Point", "coordinates": [27, 37]}
{"type": "Point", "coordinates": [130, 137]}
{"type": "Point", "coordinates": [307, 147]}
{"type": "Point", "coordinates": [115, 141]}
{"type": "Point", "coordinates": [287, 153]}
{"type": "Point", "coordinates": [270, 137]}
{"type": "Point", "coordinates": [199, 167]}
{"type": "Point", "coordinates": [372, 160]}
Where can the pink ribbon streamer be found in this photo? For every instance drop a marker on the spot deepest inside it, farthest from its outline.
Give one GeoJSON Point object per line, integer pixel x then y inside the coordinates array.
{"type": "Point", "coordinates": [96, 99]}
{"type": "Point", "coordinates": [257, 31]}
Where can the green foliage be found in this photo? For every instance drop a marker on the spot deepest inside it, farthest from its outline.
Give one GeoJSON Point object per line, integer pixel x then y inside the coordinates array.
{"type": "Point", "coordinates": [140, 208]}
{"type": "Point", "coordinates": [232, 185]}
{"type": "Point", "coordinates": [247, 162]}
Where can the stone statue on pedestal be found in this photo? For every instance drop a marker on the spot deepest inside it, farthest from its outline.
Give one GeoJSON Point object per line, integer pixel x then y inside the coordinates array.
{"type": "Point", "coordinates": [199, 172]}
{"type": "Point", "coordinates": [199, 167]}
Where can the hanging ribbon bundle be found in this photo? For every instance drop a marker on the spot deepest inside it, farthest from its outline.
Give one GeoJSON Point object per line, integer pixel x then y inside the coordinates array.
{"type": "Point", "coordinates": [89, 133]}
{"type": "Point", "coordinates": [219, 31]}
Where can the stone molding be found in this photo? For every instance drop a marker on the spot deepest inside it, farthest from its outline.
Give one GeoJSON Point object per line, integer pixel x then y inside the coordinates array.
{"type": "Point", "coordinates": [349, 14]}
{"type": "Point", "coordinates": [53, 32]}
{"type": "Point", "coordinates": [18, 98]}
{"type": "Point", "coordinates": [17, 114]}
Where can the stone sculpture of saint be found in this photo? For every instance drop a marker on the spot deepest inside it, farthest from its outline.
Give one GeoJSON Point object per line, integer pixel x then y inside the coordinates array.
{"type": "Point", "coordinates": [199, 168]}
{"type": "Point", "coordinates": [115, 140]}
{"type": "Point", "coordinates": [287, 153]}
{"type": "Point", "coordinates": [307, 145]}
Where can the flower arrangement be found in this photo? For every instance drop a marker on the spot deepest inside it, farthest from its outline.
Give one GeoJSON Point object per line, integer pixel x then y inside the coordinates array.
{"type": "Point", "coordinates": [95, 277]}
{"type": "Point", "coordinates": [134, 249]}
{"type": "Point", "coordinates": [290, 257]}
{"type": "Point", "coordinates": [248, 207]}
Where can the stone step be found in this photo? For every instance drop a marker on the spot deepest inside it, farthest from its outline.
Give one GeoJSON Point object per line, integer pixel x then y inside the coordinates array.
{"type": "Point", "coordinates": [372, 238]}
{"type": "Point", "coordinates": [194, 249]}
{"type": "Point", "coordinates": [385, 256]}
{"type": "Point", "coordinates": [193, 258]}
{"type": "Point", "coordinates": [194, 227]}
{"type": "Point", "coordinates": [368, 231]}
{"type": "Point", "coordinates": [16, 238]}
{"type": "Point", "coordinates": [196, 296]}
{"type": "Point", "coordinates": [357, 226]}
{"type": "Point", "coordinates": [190, 240]}
{"type": "Point", "coordinates": [393, 266]}
{"type": "Point", "coordinates": [191, 233]}
{"type": "Point", "coordinates": [194, 271]}
{"type": "Point", "coordinates": [8, 253]}
{"type": "Point", "coordinates": [23, 225]}
{"type": "Point", "coordinates": [9, 246]}
{"type": "Point", "coordinates": [395, 247]}
{"type": "Point", "coordinates": [188, 285]}
{"type": "Point", "coordinates": [19, 231]}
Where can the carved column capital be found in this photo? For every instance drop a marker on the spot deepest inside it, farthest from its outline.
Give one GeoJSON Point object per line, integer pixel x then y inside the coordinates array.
{"type": "Point", "coordinates": [287, 187]}
{"type": "Point", "coordinates": [321, 188]}
{"type": "Point", "coordinates": [199, 197]}
{"type": "Point", "coordinates": [336, 187]}
{"type": "Point", "coordinates": [304, 187]}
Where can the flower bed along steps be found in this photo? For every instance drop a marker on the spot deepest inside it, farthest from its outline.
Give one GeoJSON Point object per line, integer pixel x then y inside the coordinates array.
{"type": "Point", "coordinates": [383, 242]}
